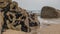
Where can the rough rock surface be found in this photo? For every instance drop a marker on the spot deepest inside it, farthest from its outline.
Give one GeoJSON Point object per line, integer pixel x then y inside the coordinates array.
{"type": "Point", "coordinates": [49, 12]}
{"type": "Point", "coordinates": [16, 18]}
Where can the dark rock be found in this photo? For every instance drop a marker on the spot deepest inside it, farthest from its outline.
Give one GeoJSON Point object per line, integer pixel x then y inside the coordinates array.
{"type": "Point", "coordinates": [24, 28]}
{"type": "Point", "coordinates": [32, 24]}
{"type": "Point", "coordinates": [49, 12]}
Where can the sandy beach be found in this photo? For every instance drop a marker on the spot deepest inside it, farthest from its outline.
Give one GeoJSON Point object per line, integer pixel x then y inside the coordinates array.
{"type": "Point", "coordinates": [14, 32]}
{"type": "Point", "coordinates": [52, 29]}
{"type": "Point", "coordinates": [50, 26]}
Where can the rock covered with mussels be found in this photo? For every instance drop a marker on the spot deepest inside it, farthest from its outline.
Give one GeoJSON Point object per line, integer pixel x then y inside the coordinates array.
{"type": "Point", "coordinates": [16, 18]}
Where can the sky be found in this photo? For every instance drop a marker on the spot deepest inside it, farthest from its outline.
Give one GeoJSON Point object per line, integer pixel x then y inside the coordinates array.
{"type": "Point", "coordinates": [38, 4]}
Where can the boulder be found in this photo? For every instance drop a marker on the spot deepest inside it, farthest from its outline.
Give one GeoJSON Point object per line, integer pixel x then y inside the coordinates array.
{"type": "Point", "coordinates": [17, 18]}
{"type": "Point", "coordinates": [49, 12]}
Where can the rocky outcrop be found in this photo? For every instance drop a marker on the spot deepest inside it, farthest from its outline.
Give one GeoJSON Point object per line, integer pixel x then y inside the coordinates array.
{"type": "Point", "coordinates": [49, 12]}
{"type": "Point", "coordinates": [16, 18]}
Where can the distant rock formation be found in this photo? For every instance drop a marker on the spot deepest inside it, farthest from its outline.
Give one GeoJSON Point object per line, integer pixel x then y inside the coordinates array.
{"type": "Point", "coordinates": [49, 12]}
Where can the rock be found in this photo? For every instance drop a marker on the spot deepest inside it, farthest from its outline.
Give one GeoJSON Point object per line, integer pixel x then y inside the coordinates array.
{"type": "Point", "coordinates": [58, 12]}
{"type": "Point", "coordinates": [4, 3]}
{"type": "Point", "coordinates": [49, 12]}
{"type": "Point", "coordinates": [13, 5]}
{"type": "Point", "coordinates": [17, 18]}
{"type": "Point", "coordinates": [1, 22]}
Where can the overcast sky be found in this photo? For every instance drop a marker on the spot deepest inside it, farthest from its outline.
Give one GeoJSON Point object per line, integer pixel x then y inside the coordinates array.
{"type": "Point", "coordinates": [38, 4]}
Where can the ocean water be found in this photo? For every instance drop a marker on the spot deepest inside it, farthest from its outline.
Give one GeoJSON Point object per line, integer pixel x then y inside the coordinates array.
{"type": "Point", "coordinates": [44, 22]}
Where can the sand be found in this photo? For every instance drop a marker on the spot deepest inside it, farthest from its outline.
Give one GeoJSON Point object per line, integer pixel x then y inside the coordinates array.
{"type": "Point", "coordinates": [50, 26]}
{"type": "Point", "coordinates": [18, 32]}
{"type": "Point", "coordinates": [52, 29]}
{"type": "Point", "coordinates": [14, 32]}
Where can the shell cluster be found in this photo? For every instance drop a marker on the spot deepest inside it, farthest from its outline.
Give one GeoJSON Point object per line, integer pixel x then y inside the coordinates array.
{"type": "Point", "coordinates": [16, 18]}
